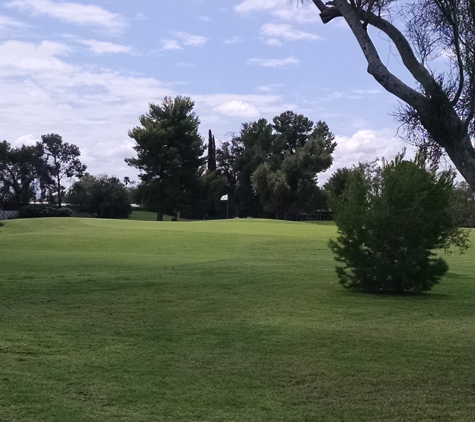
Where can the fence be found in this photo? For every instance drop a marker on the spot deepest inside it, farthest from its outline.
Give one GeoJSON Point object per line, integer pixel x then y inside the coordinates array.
{"type": "Point", "coordinates": [5, 215]}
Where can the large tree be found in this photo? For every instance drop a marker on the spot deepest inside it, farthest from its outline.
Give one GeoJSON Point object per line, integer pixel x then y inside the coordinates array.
{"type": "Point", "coordinates": [19, 170]}
{"type": "Point", "coordinates": [62, 161]}
{"type": "Point", "coordinates": [440, 111]}
{"type": "Point", "coordinates": [169, 156]}
{"type": "Point", "coordinates": [276, 163]}
{"type": "Point", "coordinates": [293, 186]}
{"type": "Point", "coordinates": [102, 196]}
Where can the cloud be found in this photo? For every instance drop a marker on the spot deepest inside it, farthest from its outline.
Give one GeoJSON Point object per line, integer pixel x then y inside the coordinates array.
{"type": "Point", "coordinates": [94, 108]}
{"type": "Point", "coordinates": [286, 31]}
{"type": "Point", "coordinates": [185, 64]}
{"type": "Point", "coordinates": [184, 39]}
{"type": "Point", "coordinates": [9, 23]}
{"type": "Point", "coordinates": [238, 108]}
{"type": "Point", "coordinates": [76, 13]}
{"type": "Point", "coordinates": [233, 40]}
{"type": "Point", "coordinates": [250, 5]}
{"type": "Point", "coordinates": [365, 145]}
{"type": "Point", "coordinates": [282, 9]}
{"type": "Point", "coordinates": [193, 40]}
{"type": "Point", "coordinates": [244, 106]}
{"type": "Point", "coordinates": [273, 62]}
{"type": "Point", "coordinates": [103, 47]}
{"type": "Point", "coordinates": [269, 87]}
{"type": "Point", "coordinates": [168, 44]}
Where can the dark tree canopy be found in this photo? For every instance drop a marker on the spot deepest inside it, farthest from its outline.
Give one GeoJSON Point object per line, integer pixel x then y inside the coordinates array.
{"type": "Point", "coordinates": [390, 220]}
{"type": "Point", "coordinates": [20, 169]}
{"type": "Point", "coordinates": [441, 111]}
{"type": "Point", "coordinates": [62, 160]}
{"type": "Point", "coordinates": [276, 164]}
{"type": "Point", "coordinates": [103, 197]}
{"type": "Point", "coordinates": [169, 156]}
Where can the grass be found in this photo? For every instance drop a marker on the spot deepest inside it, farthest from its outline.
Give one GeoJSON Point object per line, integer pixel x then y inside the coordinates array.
{"type": "Point", "coordinates": [240, 320]}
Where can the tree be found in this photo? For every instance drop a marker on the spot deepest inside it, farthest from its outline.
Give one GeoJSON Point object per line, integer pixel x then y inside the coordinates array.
{"type": "Point", "coordinates": [441, 111]}
{"type": "Point", "coordinates": [226, 158]}
{"type": "Point", "coordinates": [293, 186]}
{"type": "Point", "coordinates": [103, 197]}
{"type": "Point", "coordinates": [62, 161]}
{"type": "Point", "coordinates": [211, 152]}
{"type": "Point", "coordinates": [337, 182]}
{"type": "Point", "coordinates": [169, 156]}
{"type": "Point", "coordinates": [288, 152]}
{"type": "Point", "coordinates": [256, 145]}
{"type": "Point", "coordinates": [463, 204]}
{"type": "Point", "coordinates": [390, 220]}
{"type": "Point", "coordinates": [19, 169]}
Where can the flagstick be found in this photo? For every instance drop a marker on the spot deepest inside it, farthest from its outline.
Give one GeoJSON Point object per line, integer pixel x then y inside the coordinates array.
{"type": "Point", "coordinates": [227, 208]}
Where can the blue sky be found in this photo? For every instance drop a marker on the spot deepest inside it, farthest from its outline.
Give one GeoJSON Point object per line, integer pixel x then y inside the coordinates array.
{"type": "Point", "coordinates": [88, 69]}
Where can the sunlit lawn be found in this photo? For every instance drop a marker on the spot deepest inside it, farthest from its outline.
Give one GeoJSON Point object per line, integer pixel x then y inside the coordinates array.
{"type": "Point", "coordinates": [239, 320]}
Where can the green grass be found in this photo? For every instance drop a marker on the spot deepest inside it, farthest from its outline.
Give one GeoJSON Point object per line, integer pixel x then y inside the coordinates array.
{"type": "Point", "coordinates": [239, 320]}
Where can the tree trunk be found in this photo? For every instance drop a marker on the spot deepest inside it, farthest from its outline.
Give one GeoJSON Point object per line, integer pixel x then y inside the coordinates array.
{"type": "Point", "coordinates": [436, 113]}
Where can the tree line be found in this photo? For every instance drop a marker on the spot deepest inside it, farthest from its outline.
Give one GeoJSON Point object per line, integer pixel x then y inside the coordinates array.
{"type": "Point", "coordinates": [268, 169]}
{"type": "Point", "coordinates": [37, 172]}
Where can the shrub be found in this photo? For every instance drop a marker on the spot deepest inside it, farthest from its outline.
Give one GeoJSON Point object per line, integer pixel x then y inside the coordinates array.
{"type": "Point", "coordinates": [390, 220]}
{"type": "Point", "coordinates": [37, 211]}
{"type": "Point", "coordinates": [102, 196]}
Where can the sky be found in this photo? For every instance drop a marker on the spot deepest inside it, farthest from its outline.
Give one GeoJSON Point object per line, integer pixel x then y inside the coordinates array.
{"type": "Point", "coordinates": [87, 70]}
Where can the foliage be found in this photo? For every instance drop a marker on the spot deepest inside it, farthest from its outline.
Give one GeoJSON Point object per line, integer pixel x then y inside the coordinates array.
{"type": "Point", "coordinates": [276, 164]}
{"type": "Point", "coordinates": [337, 182]}
{"type": "Point", "coordinates": [390, 219]}
{"type": "Point", "coordinates": [62, 161]}
{"type": "Point", "coordinates": [463, 205]}
{"type": "Point", "coordinates": [439, 112]}
{"type": "Point", "coordinates": [169, 156]}
{"type": "Point", "coordinates": [226, 163]}
{"type": "Point", "coordinates": [19, 169]}
{"type": "Point", "coordinates": [103, 197]}
{"type": "Point", "coordinates": [40, 211]}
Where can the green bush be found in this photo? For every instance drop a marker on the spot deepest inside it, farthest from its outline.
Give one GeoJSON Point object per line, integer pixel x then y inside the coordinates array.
{"type": "Point", "coordinates": [390, 220]}
{"type": "Point", "coordinates": [37, 211]}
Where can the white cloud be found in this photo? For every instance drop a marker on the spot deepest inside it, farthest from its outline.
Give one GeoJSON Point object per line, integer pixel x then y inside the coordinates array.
{"type": "Point", "coordinates": [103, 47]}
{"type": "Point", "coordinates": [41, 93]}
{"type": "Point", "coordinates": [184, 39]}
{"type": "Point", "coordinates": [365, 145]}
{"type": "Point", "coordinates": [9, 23]}
{"type": "Point", "coordinates": [76, 13]}
{"type": "Point", "coordinates": [286, 31]}
{"type": "Point", "coordinates": [273, 42]}
{"type": "Point", "coordinates": [283, 9]}
{"type": "Point", "coordinates": [28, 139]}
{"type": "Point", "coordinates": [185, 64]}
{"type": "Point", "coordinates": [273, 62]}
{"type": "Point", "coordinates": [95, 108]}
{"type": "Point", "coordinates": [193, 40]}
{"type": "Point", "coordinates": [168, 44]}
{"type": "Point", "coordinates": [250, 5]}
{"type": "Point", "coordinates": [238, 108]}
{"type": "Point", "coordinates": [233, 40]}
{"type": "Point", "coordinates": [269, 87]}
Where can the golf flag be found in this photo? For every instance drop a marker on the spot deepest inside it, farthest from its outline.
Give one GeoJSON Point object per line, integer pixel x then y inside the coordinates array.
{"type": "Point", "coordinates": [224, 198]}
